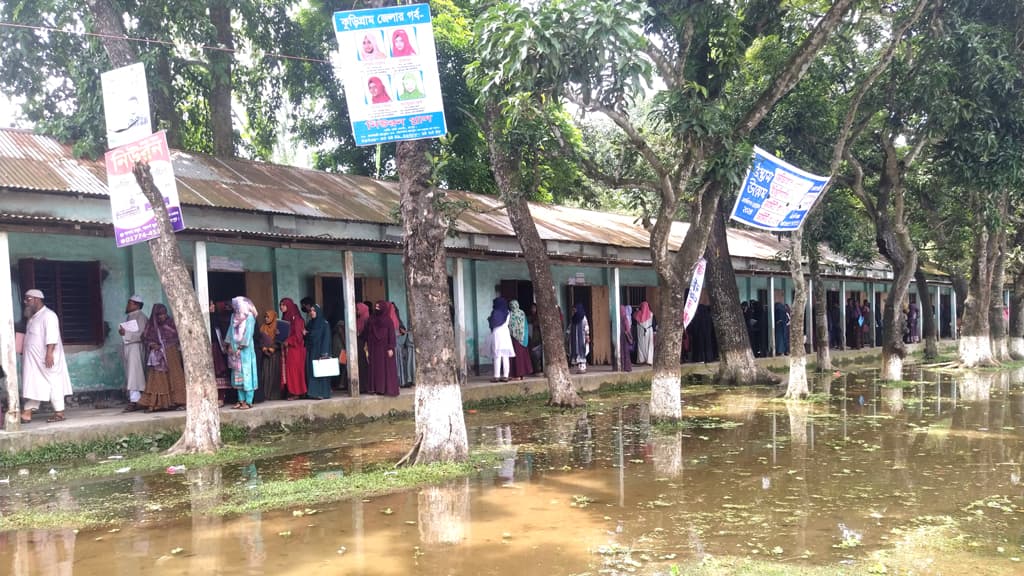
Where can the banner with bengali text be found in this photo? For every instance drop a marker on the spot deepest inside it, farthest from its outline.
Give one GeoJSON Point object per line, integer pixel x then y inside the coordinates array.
{"type": "Point", "coordinates": [134, 220]}
{"type": "Point", "coordinates": [388, 64]}
{"type": "Point", "coordinates": [776, 195]}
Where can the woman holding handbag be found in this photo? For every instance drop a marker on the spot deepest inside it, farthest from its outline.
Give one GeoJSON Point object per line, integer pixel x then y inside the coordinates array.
{"type": "Point", "coordinates": [317, 348]}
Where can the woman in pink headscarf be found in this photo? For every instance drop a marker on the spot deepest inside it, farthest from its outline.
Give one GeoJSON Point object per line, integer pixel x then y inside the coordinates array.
{"type": "Point", "coordinates": [400, 44]}
{"type": "Point", "coordinates": [644, 334]}
{"type": "Point", "coordinates": [378, 94]}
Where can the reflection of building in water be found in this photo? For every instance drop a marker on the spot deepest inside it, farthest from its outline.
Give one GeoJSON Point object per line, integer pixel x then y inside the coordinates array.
{"type": "Point", "coordinates": [508, 452]}
{"type": "Point", "coordinates": [49, 552]}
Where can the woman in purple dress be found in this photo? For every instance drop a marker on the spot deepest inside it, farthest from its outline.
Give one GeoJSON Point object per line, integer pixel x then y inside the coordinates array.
{"type": "Point", "coordinates": [380, 342]}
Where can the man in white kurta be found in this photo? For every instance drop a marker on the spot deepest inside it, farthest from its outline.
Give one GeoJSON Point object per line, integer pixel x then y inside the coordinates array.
{"type": "Point", "coordinates": [132, 356]}
{"type": "Point", "coordinates": [44, 370]}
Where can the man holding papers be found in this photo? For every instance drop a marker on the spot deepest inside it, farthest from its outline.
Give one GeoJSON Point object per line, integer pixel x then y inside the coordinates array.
{"type": "Point", "coordinates": [132, 350]}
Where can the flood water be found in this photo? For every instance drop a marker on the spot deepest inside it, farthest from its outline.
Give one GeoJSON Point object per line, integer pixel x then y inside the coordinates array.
{"type": "Point", "coordinates": [599, 491]}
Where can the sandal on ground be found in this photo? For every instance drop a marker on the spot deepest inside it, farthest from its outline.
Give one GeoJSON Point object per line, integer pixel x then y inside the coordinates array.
{"type": "Point", "coordinates": [57, 417]}
{"type": "Point", "coordinates": [244, 406]}
{"type": "Point", "coordinates": [495, 379]}
{"type": "Point", "coordinates": [504, 379]}
{"type": "Point", "coordinates": [131, 407]}
{"type": "Point", "coordinates": [238, 405]}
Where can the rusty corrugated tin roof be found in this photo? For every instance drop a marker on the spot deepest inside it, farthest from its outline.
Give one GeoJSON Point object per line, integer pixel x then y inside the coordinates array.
{"type": "Point", "coordinates": [32, 162]}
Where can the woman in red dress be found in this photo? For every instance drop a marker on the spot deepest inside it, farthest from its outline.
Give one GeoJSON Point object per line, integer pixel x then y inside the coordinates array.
{"type": "Point", "coordinates": [293, 358]}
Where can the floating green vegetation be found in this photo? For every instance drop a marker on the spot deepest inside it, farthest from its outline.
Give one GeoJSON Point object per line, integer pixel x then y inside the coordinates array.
{"type": "Point", "coordinates": [154, 462]}
{"type": "Point", "coordinates": [124, 445]}
{"type": "Point", "coordinates": [902, 383]}
{"type": "Point", "coordinates": [319, 490]}
{"type": "Point", "coordinates": [696, 423]}
{"type": "Point", "coordinates": [732, 566]}
{"type": "Point", "coordinates": [49, 519]}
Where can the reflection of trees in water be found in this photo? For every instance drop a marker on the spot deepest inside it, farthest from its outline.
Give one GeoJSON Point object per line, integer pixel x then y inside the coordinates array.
{"type": "Point", "coordinates": [204, 485]}
{"type": "Point", "coordinates": [976, 386]}
{"type": "Point", "coordinates": [49, 552]}
{"type": "Point", "coordinates": [892, 400]}
{"type": "Point", "coordinates": [667, 454]}
{"type": "Point", "coordinates": [583, 440]}
{"type": "Point", "coordinates": [443, 513]}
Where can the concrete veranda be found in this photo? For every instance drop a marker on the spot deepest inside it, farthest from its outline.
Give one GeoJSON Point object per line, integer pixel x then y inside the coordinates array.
{"type": "Point", "coordinates": [86, 423]}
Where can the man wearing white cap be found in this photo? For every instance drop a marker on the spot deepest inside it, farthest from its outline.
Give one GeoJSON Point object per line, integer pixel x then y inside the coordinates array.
{"type": "Point", "coordinates": [44, 371]}
{"type": "Point", "coordinates": [131, 331]}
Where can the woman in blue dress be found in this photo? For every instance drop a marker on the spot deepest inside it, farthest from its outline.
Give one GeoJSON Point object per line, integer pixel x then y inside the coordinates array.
{"type": "Point", "coordinates": [241, 352]}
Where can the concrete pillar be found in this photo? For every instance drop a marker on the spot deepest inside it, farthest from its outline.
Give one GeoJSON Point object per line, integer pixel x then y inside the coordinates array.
{"type": "Point", "coordinates": [842, 314]}
{"type": "Point", "coordinates": [459, 285]}
{"type": "Point", "coordinates": [875, 313]}
{"type": "Point", "coordinates": [938, 312]}
{"type": "Point", "coordinates": [771, 316]}
{"type": "Point", "coordinates": [348, 278]}
{"type": "Point", "coordinates": [616, 321]}
{"type": "Point", "coordinates": [203, 282]}
{"type": "Point", "coordinates": [809, 318]}
{"type": "Point", "coordinates": [8, 355]}
{"type": "Point", "coordinates": [952, 313]}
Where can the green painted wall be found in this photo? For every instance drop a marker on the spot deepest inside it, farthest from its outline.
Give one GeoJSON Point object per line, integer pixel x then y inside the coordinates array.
{"type": "Point", "coordinates": [92, 367]}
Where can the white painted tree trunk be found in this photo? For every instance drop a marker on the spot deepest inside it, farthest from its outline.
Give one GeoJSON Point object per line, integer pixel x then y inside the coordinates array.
{"type": "Point", "coordinates": [666, 399]}
{"type": "Point", "coordinates": [1000, 348]}
{"type": "Point", "coordinates": [796, 386]}
{"type": "Point", "coordinates": [892, 366]}
{"type": "Point", "coordinates": [975, 351]}
{"type": "Point", "coordinates": [1017, 348]}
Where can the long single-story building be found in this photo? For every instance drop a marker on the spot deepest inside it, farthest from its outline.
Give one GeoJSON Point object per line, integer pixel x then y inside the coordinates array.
{"type": "Point", "coordinates": [269, 231]}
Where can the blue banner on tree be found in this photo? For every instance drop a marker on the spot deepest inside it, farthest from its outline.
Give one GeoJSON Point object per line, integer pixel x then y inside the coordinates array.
{"type": "Point", "coordinates": [388, 63]}
{"type": "Point", "coordinates": [776, 195]}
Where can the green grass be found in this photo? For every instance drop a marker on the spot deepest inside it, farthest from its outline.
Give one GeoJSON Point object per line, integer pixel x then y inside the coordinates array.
{"type": "Point", "coordinates": [319, 490]}
{"type": "Point", "coordinates": [125, 445]}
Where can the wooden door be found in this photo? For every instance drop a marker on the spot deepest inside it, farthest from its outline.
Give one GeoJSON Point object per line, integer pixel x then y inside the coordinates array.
{"type": "Point", "coordinates": [374, 289]}
{"type": "Point", "coordinates": [600, 327]}
{"type": "Point", "coordinates": [259, 287]}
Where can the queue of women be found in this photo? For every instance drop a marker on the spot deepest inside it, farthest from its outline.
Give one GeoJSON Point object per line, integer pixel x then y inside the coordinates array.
{"type": "Point", "coordinates": [272, 357]}
{"type": "Point", "coordinates": [516, 346]}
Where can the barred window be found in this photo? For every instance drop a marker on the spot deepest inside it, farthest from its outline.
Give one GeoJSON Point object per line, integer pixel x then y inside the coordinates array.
{"type": "Point", "coordinates": [72, 290]}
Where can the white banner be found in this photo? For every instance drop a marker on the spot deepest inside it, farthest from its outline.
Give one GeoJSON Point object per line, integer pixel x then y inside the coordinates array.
{"type": "Point", "coordinates": [126, 105]}
{"type": "Point", "coordinates": [696, 286]}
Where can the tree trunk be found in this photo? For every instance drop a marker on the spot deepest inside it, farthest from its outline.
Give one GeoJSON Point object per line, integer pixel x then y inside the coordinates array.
{"type": "Point", "coordinates": [556, 366]}
{"type": "Point", "coordinates": [440, 425]}
{"type": "Point", "coordinates": [110, 24]}
{"type": "Point", "coordinates": [821, 347]}
{"type": "Point", "coordinates": [975, 347]}
{"type": "Point", "coordinates": [167, 116]}
{"type": "Point", "coordinates": [506, 174]}
{"type": "Point", "coordinates": [894, 350]}
{"type": "Point", "coordinates": [1017, 317]}
{"type": "Point", "coordinates": [996, 319]}
{"type": "Point", "coordinates": [797, 384]}
{"type": "Point", "coordinates": [202, 418]}
{"type": "Point", "coordinates": [931, 334]}
{"type": "Point", "coordinates": [221, 62]}
{"type": "Point", "coordinates": [737, 365]}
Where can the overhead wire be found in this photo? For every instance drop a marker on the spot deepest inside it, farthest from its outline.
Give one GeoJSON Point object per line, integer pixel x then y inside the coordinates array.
{"type": "Point", "coordinates": [155, 41]}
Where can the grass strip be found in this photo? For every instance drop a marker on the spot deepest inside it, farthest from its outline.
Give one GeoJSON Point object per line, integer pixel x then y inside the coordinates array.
{"type": "Point", "coordinates": [319, 490]}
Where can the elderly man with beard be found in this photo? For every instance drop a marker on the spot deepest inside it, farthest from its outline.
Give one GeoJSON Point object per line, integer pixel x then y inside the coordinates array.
{"type": "Point", "coordinates": [44, 370]}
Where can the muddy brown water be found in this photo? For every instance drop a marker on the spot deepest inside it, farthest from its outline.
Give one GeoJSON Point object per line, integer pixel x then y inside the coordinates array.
{"type": "Point", "coordinates": [805, 484]}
